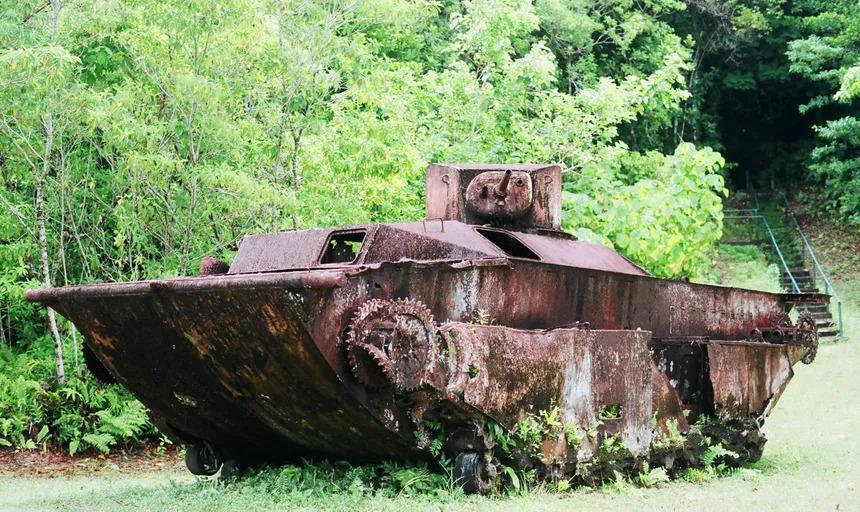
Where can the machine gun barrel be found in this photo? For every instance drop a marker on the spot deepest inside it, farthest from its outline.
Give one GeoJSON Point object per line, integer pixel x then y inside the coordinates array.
{"type": "Point", "coordinates": [501, 190]}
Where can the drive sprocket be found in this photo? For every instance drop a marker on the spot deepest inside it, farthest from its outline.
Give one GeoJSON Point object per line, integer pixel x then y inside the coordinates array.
{"type": "Point", "coordinates": [391, 342]}
{"type": "Point", "coordinates": [806, 335]}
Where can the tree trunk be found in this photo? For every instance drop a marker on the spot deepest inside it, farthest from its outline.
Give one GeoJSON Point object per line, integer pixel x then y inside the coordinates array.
{"type": "Point", "coordinates": [2, 329]}
{"type": "Point", "coordinates": [297, 172]}
{"type": "Point", "coordinates": [9, 322]}
{"type": "Point", "coordinates": [41, 179]}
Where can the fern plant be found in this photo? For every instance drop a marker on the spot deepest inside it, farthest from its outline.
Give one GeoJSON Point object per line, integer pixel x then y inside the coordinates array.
{"type": "Point", "coordinates": [81, 414]}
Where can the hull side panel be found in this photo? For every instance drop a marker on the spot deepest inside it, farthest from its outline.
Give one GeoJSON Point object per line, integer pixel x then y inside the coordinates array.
{"type": "Point", "coordinates": [235, 367]}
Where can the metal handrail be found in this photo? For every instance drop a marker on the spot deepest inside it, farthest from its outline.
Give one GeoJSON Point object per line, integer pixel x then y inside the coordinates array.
{"type": "Point", "coordinates": [828, 286]}
{"type": "Point", "coordinates": [829, 289]}
{"type": "Point", "coordinates": [754, 196]}
{"type": "Point", "coordinates": [773, 241]}
{"type": "Point", "coordinates": [779, 253]}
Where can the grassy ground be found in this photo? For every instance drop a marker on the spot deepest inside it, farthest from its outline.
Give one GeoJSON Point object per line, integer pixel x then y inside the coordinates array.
{"type": "Point", "coordinates": [743, 266]}
{"type": "Point", "coordinates": [811, 462]}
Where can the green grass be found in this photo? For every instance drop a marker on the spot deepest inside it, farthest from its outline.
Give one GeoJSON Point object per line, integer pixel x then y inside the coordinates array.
{"type": "Point", "coordinates": [811, 462]}
{"type": "Point", "coordinates": [742, 266]}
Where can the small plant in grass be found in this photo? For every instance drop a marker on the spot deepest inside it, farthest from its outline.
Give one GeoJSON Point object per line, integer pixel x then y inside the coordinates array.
{"type": "Point", "coordinates": [609, 412]}
{"type": "Point", "coordinates": [696, 475]}
{"type": "Point", "coordinates": [499, 435]}
{"type": "Point", "coordinates": [617, 484]}
{"type": "Point", "coordinates": [671, 439]}
{"type": "Point", "coordinates": [648, 477]}
{"type": "Point", "coordinates": [716, 456]}
{"type": "Point", "coordinates": [545, 425]}
{"type": "Point", "coordinates": [482, 317]}
{"type": "Point", "coordinates": [522, 481]}
{"type": "Point", "coordinates": [430, 434]}
{"type": "Point", "coordinates": [411, 480]}
{"type": "Point", "coordinates": [592, 431]}
{"type": "Point", "coordinates": [612, 447]}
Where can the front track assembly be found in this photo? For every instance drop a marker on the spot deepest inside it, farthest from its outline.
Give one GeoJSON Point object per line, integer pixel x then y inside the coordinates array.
{"type": "Point", "coordinates": [567, 403]}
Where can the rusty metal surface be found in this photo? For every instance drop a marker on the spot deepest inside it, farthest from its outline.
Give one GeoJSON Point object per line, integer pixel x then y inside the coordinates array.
{"type": "Point", "coordinates": [508, 373]}
{"type": "Point", "coordinates": [429, 241]}
{"type": "Point", "coordinates": [667, 403]}
{"type": "Point", "coordinates": [747, 380]}
{"type": "Point", "coordinates": [287, 250]}
{"type": "Point", "coordinates": [211, 266]}
{"type": "Point", "coordinates": [144, 332]}
{"type": "Point", "coordinates": [447, 195]}
{"type": "Point", "coordinates": [573, 253]}
{"type": "Point", "coordinates": [67, 295]}
{"type": "Point", "coordinates": [254, 384]}
{"type": "Point", "coordinates": [500, 195]}
{"type": "Point", "coordinates": [531, 294]}
{"type": "Point", "coordinates": [300, 351]}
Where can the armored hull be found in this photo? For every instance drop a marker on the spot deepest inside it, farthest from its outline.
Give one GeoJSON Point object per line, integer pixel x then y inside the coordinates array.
{"type": "Point", "coordinates": [401, 341]}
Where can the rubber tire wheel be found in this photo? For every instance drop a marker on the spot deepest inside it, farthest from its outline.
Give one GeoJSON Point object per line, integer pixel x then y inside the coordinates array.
{"type": "Point", "coordinates": [469, 473]}
{"type": "Point", "coordinates": [201, 459]}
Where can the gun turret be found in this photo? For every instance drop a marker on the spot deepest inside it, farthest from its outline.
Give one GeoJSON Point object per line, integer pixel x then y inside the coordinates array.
{"type": "Point", "coordinates": [514, 196]}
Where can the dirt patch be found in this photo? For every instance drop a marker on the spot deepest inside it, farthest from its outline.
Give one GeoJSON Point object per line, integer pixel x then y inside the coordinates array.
{"type": "Point", "coordinates": [836, 244]}
{"type": "Point", "coordinates": [53, 463]}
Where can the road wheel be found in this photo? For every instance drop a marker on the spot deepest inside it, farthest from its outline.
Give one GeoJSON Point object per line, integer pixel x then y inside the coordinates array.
{"type": "Point", "coordinates": [201, 459]}
{"type": "Point", "coordinates": [471, 474]}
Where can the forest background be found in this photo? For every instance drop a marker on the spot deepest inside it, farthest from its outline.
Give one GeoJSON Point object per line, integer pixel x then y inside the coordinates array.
{"type": "Point", "coordinates": [138, 136]}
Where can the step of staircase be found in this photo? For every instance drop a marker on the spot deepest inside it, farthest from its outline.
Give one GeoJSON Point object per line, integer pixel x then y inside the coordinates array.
{"type": "Point", "coordinates": [796, 271]}
{"type": "Point", "coordinates": [798, 280]}
{"type": "Point", "coordinates": [816, 309]}
{"type": "Point", "coordinates": [803, 289]}
{"type": "Point", "coordinates": [827, 329]}
{"type": "Point", "coordinates": [822, 315]}
{"type": "Point", "coordinates": [803, 282]}
{"type": "Point", "coordinates": [830, 334]}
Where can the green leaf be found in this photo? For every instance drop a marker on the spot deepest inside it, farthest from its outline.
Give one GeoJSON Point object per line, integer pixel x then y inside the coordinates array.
{"type": "Point", "coordinates": [515, 480]}
{"type": "Point", "coordinates": [43, 433]}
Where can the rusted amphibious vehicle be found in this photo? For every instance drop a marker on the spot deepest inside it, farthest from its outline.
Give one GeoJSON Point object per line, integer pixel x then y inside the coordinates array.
{"type": "Point", "coordinates": [483, 333]}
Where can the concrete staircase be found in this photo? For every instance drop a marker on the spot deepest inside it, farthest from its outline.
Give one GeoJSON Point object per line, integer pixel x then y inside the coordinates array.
{"type": "Point", "coordinates": [777, 229]}
{"type": "Point", "coordinates": [827, 328]}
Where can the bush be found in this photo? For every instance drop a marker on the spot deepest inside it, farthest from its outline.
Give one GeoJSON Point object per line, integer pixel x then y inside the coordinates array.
{"type": "Point", "coordinates": [82, 414]}
{"type": "Point", "coordinates": [667, 219]}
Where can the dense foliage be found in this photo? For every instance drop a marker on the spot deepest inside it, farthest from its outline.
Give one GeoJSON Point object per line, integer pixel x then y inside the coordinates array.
{"type": "Point", "coordinates": [138, 136]}
{"type": "Point", "coordinates": [774, 87]}
{"type": "Point", "coordinates": [82, 414]}
{"type": "Point", "coordinates": [829, 56]}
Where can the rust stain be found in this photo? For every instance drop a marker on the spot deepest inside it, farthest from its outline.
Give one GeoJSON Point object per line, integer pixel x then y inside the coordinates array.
{"type": "Point", "coordinates": [378, 341]}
